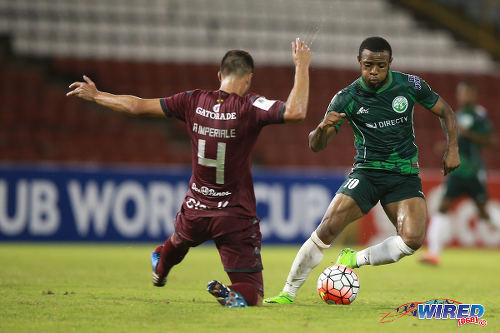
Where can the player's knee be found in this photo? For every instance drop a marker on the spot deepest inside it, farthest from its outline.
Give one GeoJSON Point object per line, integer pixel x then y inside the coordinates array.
{"type": "Point", "coordinates": [178, 242]}
{"type": "Point", "coordinates": [249, 285]}
{"type": "Point", "coordinates": [249, 293]}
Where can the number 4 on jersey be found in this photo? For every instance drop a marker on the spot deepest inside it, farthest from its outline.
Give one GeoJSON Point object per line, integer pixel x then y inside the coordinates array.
{"type": "Point", "coordinates": [218, 163]}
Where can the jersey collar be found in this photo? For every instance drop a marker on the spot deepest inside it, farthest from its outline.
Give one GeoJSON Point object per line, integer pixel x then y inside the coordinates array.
{"type": "Point", "coordinates": [387, 85]}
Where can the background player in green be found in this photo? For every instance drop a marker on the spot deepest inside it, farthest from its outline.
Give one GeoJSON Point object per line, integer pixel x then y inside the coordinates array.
{"type": "Point", "coordinates": [379, 108]}
{"type": "Point", "coordinates": [475, 132]}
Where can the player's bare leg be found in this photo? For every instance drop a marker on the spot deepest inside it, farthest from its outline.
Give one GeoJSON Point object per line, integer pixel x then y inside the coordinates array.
{"type": "Point", "coordinates": [341, 211]}
{"type": "Point", "coordinates": [437, 233]}
{"type": "Point", "coordinates": [409, 216]}
{"type": "Point", "coordinates": [484, 215]}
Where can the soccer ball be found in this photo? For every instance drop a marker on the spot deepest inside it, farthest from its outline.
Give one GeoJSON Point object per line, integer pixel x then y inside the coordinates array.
{"type": "Point", "coordinates": [338, 284]}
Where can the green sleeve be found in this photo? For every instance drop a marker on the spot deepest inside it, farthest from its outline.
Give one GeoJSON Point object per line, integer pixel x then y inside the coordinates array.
{"type": "Point", "coordinates": [339, 104]}
{"type": "Point", "coordinates": [422, 92]}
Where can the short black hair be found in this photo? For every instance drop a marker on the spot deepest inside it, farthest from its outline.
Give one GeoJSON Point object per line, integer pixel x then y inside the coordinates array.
{"type": "Point", "coordinates": [375, 44]}
{"type": "Point", "coordinates": [236, 62]}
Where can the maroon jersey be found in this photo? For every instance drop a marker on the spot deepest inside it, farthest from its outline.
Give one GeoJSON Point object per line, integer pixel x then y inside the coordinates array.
{"type": "Point", "coordinates": [223, 129]}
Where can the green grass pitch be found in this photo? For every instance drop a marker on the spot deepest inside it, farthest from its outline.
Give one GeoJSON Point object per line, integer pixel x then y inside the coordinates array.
{"type": "Point", "coordinates": [107, 288]}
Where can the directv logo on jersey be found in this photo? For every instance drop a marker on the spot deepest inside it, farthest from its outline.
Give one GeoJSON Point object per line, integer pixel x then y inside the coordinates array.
{"type": "Point", "coordinates": [463, 313]}
{"type": "Point", "coordinates": [362, 110]}
{"type": "Point", "coordinates": [387, 123]}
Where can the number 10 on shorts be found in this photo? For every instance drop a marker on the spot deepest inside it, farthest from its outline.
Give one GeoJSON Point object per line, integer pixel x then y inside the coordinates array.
{"type": "Point", "coordinates": [351, 183]}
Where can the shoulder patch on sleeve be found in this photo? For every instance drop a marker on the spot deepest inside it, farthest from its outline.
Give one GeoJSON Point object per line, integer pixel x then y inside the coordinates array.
{"type": "Point", "coordinates": [263, 103]}
{"type": "Point", "coordinates": [416, 81]}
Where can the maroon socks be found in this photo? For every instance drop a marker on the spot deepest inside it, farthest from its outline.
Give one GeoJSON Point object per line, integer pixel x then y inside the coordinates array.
{"type": "Point", "coordinates": [170, 256]}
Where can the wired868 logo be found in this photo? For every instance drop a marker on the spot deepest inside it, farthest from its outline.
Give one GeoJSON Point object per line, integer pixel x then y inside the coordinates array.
{"type": "Point", "coordinates": [463, 313]}
{"type": "Point", "coordinates": [439, 309]}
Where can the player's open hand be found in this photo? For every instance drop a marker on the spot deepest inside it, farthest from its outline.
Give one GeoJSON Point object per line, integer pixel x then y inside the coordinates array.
{"type": "Point", "coordinates": [451, 161]}
{"type": "Point", "coordinates": [85, 90]}
{"type": "Point", "coordinates": [332, 119]}
{"type": "Point", "coordinates": [301, 53]}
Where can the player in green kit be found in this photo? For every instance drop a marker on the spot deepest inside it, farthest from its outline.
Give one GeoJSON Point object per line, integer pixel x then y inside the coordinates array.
{"type": "Point", "coordinates": [469, 179]}
{"type": "Point", "coordinates": [379, 108]}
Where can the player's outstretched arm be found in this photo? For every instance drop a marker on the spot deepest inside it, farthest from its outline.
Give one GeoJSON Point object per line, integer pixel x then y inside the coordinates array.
{"type": "Point", "coordinates": [124, 103]}
{"type": "Point", "coordinates": [325, 131]}
{"type": "Point", "coordinates": [296, 104]}
{"type": "Point", "coordinates": [451, 158]}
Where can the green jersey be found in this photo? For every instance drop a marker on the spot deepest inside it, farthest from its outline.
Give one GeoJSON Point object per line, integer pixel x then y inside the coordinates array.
{"type": "Point", "coordinates": [382, 121]}
{"type": "Point", "coordinates": [473, 119]}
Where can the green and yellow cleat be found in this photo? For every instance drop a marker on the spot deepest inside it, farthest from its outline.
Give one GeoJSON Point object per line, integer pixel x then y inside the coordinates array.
{"type": "Point", "coordinates": [347, 257]}
{"type": "Point", "coordinates": [282, 298]}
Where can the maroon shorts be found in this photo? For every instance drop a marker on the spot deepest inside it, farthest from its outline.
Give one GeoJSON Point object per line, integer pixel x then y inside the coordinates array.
{"type": "Point", "coordinates": [238, 239]}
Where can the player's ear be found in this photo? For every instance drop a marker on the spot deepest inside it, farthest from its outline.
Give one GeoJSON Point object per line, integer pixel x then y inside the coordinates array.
{"type": "Point", "coordinates": [249, 78]}
{"type": "Point", "coordinates": [219, 76]}
{"type": "Point", "coordinates": [359, 59]}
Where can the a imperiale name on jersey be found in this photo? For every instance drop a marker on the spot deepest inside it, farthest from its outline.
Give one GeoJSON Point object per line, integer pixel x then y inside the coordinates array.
{"type": "Point", "coordinates": [387, 123]}
{"type": "Point", "coordinates": [215, 115]}
{"type": "Point", "coordinates": [209, 191]}
{"type": "Point", "coordinates": [214, 132]}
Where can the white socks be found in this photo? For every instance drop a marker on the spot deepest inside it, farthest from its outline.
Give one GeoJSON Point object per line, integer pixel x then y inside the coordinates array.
{"type": "Point", "coordinates": [437, 232]}
{"type": "Point", "coordinates": [308, 257]}
{"type": "Point", "coordinates": [389, 251]}
{"type": "Point", "coordinates": [310, 254]}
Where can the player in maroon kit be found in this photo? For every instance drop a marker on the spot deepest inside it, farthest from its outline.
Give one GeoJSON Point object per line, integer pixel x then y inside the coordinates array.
{"type": "Point", "coordinates": [220, 205]}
